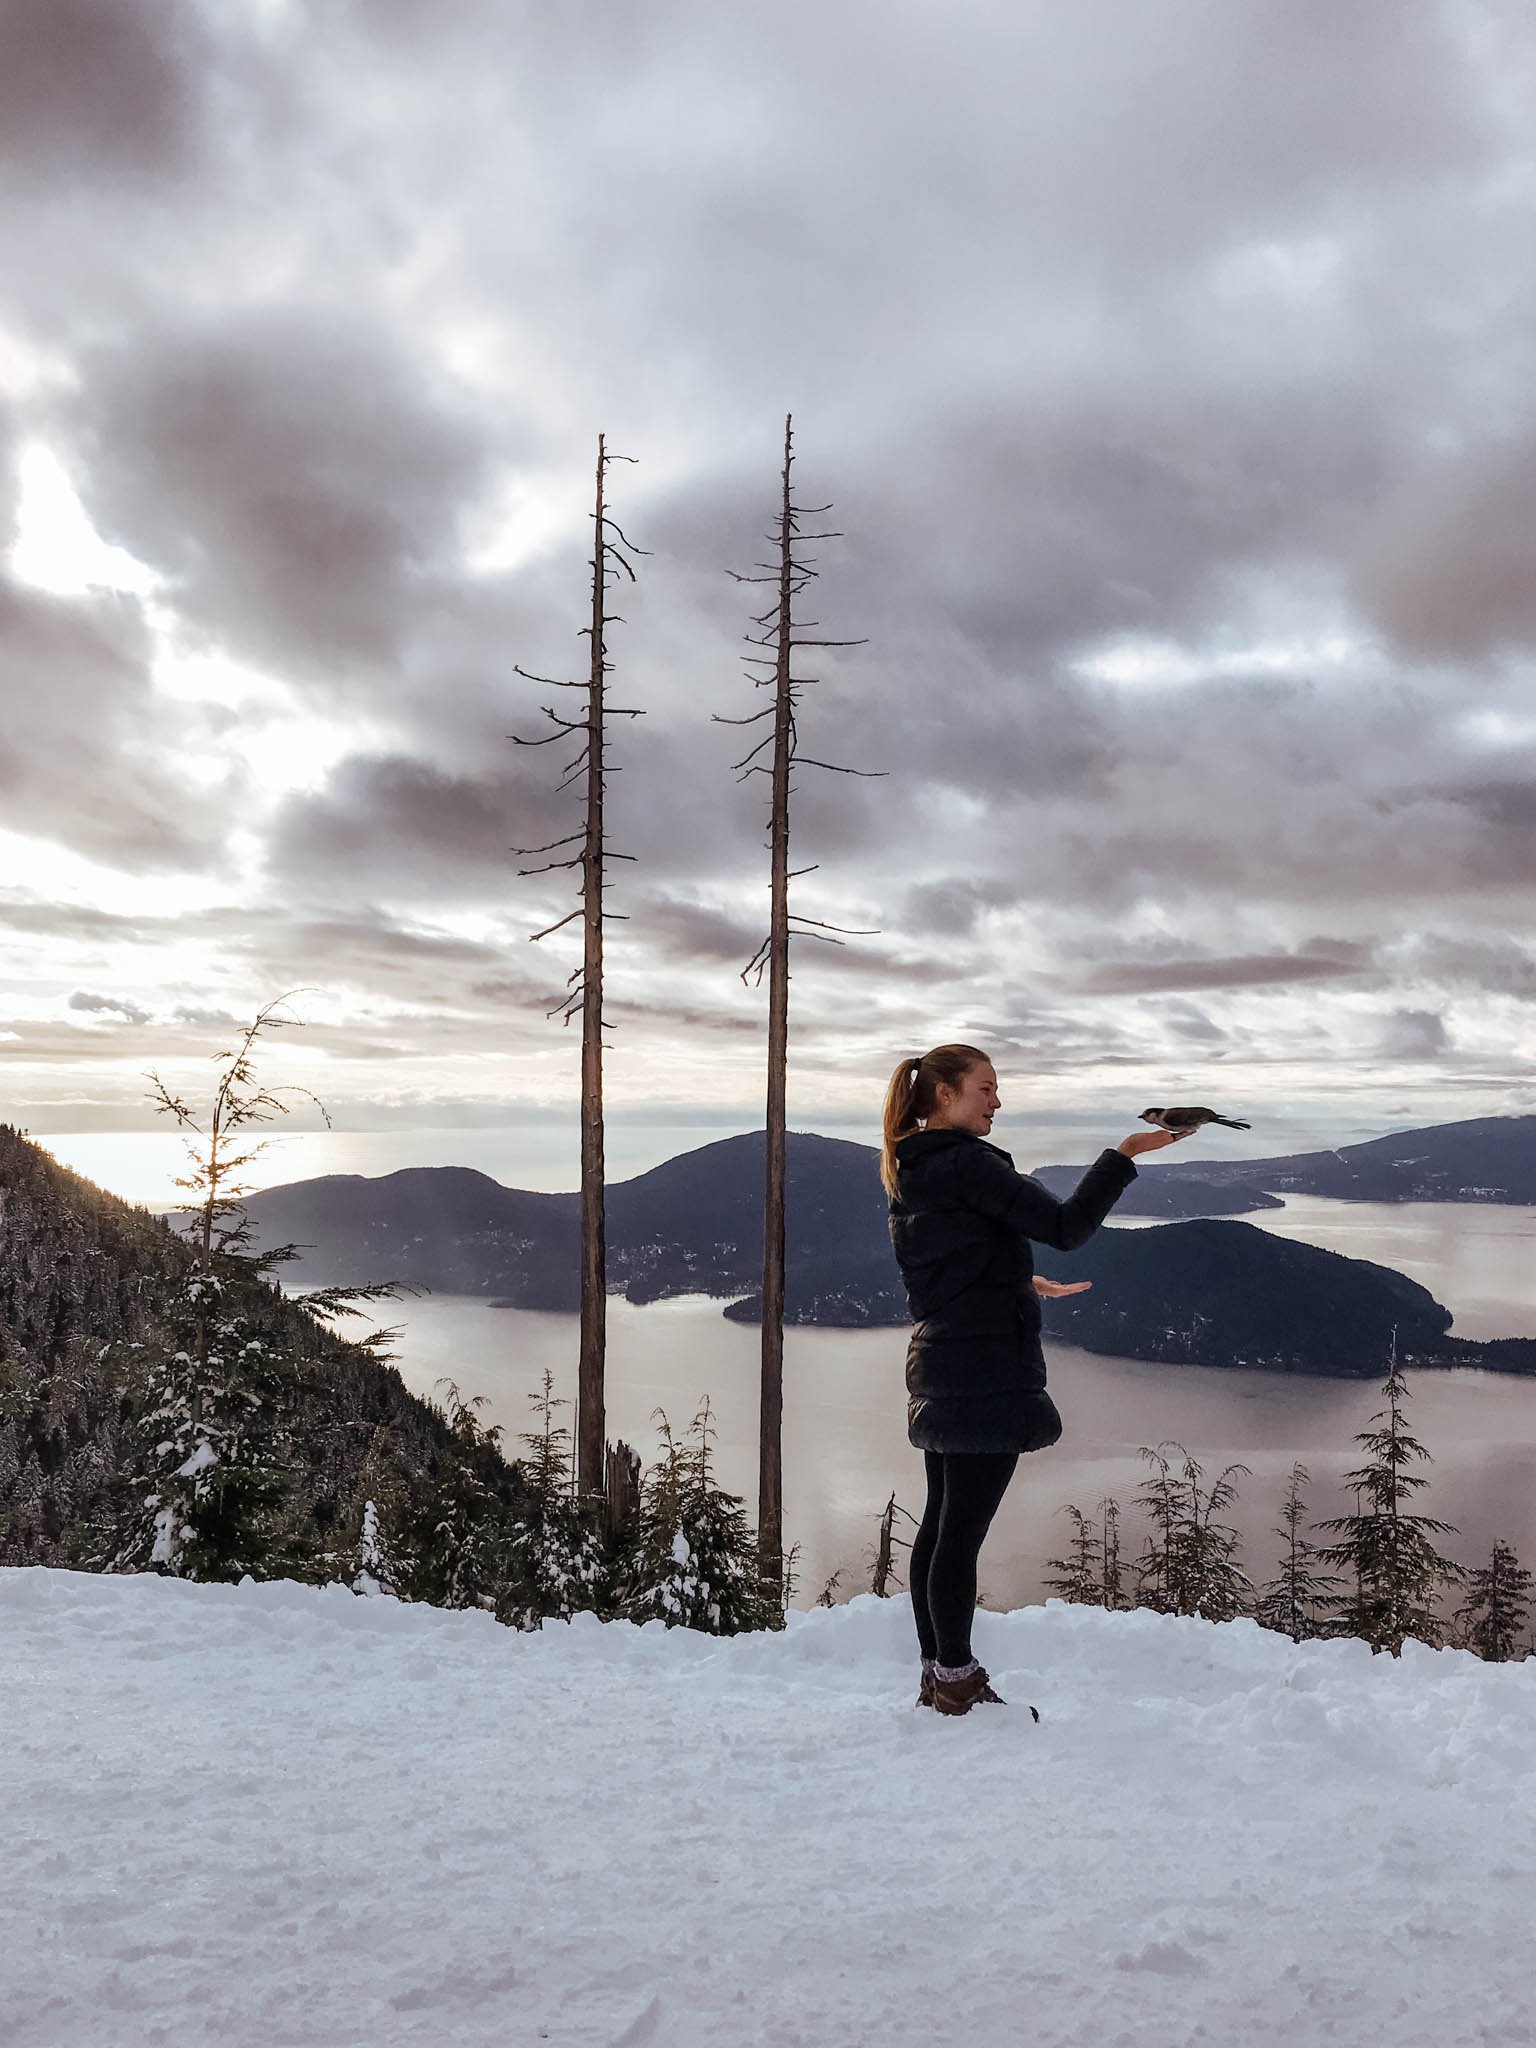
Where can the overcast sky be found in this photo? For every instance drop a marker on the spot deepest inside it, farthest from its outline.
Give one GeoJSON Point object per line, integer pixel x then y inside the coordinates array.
{"type": "Point", "coordinates": [1168, 369]}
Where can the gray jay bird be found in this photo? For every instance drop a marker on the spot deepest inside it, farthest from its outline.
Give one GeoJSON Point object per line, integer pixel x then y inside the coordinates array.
{"type": "Point", "coordinates": [1190, 1119]}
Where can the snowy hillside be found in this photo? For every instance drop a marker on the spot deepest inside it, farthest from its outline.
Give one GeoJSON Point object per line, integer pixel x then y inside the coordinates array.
{"type": "Point", "coordinates": [274, 1817]}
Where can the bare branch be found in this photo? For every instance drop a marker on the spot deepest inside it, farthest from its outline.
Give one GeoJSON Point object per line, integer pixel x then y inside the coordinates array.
{"type": "Point", "coordinates": [554, 682]}
{"type": "Point", "coordinates": [555, 928]}
{"type": "Point", "coordinates": [523, 852]}
{"type": "Point", "coordinates": [853, 931]}
{"type": "Point", "coordinates": [613, 526]}
{"type": "Point", "coordinates": [765, 741]}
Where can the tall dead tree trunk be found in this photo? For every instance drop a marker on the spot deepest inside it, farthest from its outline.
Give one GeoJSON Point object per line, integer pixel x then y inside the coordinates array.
{"type": "Point", "coordinates": [610, 554]}
{"type": "Point", "coordinates": [777, 632]}
{"type": "Point", "coordinates": [770, 1477]}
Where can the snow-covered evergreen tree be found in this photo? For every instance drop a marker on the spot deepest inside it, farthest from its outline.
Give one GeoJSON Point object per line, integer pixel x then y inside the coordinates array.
{"type": "Point", "coordinates": [463, 1533]}
{"type": "Point", "coordinates": [696, 1557]}
{"type": "Point", "coordinates": [1395, 1571]}
{"type": "Point", "coordinates": [380, 1559]}
{"type": "Point", "coordinates": [1297, 1601]}
{"type": "Point", "coordinates": [557, 1554]}
{"type": "Point", "coordinates": [210, 1490]}
{"type": "Point", "coordinates": [1492, 1620]}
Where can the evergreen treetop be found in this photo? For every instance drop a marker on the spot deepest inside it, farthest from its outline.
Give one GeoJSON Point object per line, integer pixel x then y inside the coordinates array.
{"type": "Point", "coordinates": [1396, 1571]}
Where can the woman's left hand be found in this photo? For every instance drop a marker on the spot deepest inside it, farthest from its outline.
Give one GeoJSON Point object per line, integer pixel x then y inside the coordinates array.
{"type": "Point", "coordinates": [1051, 1288]}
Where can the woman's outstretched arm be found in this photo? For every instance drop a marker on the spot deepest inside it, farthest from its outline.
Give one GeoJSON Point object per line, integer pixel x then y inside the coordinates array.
{"type": "Point", "coordinates": [1026, 1205]}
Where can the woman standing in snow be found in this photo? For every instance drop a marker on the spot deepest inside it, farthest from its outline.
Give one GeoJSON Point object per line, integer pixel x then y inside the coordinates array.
{"type": "Point", "coordinates": [961, 1223]}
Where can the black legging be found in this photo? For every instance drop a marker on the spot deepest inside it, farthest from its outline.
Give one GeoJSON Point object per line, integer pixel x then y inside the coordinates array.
{"type": "Point", "coordinates": [965, 1490]}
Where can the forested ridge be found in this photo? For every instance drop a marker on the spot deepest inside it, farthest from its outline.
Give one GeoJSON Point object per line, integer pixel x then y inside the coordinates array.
{"type": "Point", "coordinates": [86, 1282]}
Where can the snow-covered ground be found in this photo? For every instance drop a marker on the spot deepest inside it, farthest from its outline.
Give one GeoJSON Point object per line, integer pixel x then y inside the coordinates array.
{"type": "Point", "coordinates": [267, 1816]}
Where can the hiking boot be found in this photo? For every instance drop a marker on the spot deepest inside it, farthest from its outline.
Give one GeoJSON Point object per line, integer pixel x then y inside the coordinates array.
{"type": "Point", "coordinates": [959, 1695]}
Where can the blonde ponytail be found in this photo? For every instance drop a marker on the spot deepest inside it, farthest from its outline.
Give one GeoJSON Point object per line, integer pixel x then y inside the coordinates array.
{"type": "Point", "coordinates": [910, 1096]}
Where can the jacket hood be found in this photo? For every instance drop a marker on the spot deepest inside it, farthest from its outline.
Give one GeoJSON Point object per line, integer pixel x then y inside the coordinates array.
{"type": "Point", "coordinates": [921, 1145]}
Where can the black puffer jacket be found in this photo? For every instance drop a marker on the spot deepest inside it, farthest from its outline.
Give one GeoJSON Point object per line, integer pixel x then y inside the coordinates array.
{"type": "Point", "coordinates": [961, 1223]}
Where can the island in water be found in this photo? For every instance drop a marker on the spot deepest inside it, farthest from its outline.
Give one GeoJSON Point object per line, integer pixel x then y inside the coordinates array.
{"type": "Point", "coordinates": [1201, 1289]}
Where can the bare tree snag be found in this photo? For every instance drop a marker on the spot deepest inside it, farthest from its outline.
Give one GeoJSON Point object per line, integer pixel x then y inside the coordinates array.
{"type": "Point", "coordinates": [884, 1576]}
{"type": "Point", "coordinates": [776, 632]}
{"type": "Point", "coordinates": [610, 559]}
{"type": "Point", "coordinates": [621, 1487]}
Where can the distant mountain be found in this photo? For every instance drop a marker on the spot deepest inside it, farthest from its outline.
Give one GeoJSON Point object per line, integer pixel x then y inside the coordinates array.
{"type": "Point", "coordinates": [1198, 1190]}
{"type": "Point", "coordinates": [1231, 1294]}
{"type": "Point", "coordinates": [1483, 1159]}
{"type": "Point", "coordinates": [693, 1225]}
{"type": "Point", "coordinates": [1211, 1292]}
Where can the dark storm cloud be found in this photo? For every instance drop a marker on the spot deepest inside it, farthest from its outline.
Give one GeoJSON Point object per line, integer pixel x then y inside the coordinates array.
{"type": "Point", "coordinates": [697, 931]}
{"type": "Point", "coordinates": [1444, 567]}
{"type": "Point", "coordinates": [72, 920]}
{"type": "Point", "coordinates": [79, 759]}
{"type": "Point", "coordinates": [414, 830]}
{"type": "Point", "coordinates": [1495, 964]}
{"type": "Point", "coordinates": [1189, 1021]}
{"type": "Point", "coordinates": [90, 755]}
{"type": "Point", "coordinates": [293, 473]}
{"type": "Point", "coordinates": [952, 908]}
{"type": "Point", "coordinates": [688, 1016]}
{"type": "Point", "coordinates": [1129, 504]}
{"type": "Point", "coordinates": [1413, 1035]}
{"type": "Point", "coordinates": [1505, 848]}
{"type": "Point", "coordinates": [101, 87]}
{"type": "Point", "coordinates": [1166, 969]}
{"type": "Point", "coordinates": [368, 950]}
{"type": "Point", "coordinates": [108, 1007]}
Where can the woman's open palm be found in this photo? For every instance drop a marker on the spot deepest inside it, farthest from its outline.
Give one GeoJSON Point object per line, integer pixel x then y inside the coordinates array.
{"type": "Point", "coordinates": [1052, 1288]}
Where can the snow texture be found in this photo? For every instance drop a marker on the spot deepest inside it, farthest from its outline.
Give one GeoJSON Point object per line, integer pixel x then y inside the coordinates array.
{"type": "Point", "coordinates": [268, 1816]}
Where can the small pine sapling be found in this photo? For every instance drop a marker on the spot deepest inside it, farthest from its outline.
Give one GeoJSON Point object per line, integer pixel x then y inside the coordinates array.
{"type": "Point", "coordinates": [1189, 1565]}
{"type": "Point", "coordinates": [557, 1555]}
{"type": "Point", "coordinates": [1079, 1576]}
{"type": "Point", "coordinates": [696, 1564]}
{"type": "Point", "coordinates": [1297, 1601]}
{"type": "Point", "coordinates": [380, 1559]}
{"type": "Point", "coordinates": [464, 1528]}
{"type": "Point", "coordinates": [1396, 1571]}
{"type": "Point", "coordinates": [1111, 1582]}
{"type": "Point", "coordinates": [1497, 1607]}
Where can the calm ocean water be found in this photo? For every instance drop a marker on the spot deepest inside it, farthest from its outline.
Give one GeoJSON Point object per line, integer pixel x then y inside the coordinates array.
{"type": "Point", "coordinates": [845, 1446]}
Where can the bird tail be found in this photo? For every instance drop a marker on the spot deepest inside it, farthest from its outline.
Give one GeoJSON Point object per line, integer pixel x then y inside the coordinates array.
{"type": "Point", "coordinates": [1232, 1123]}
